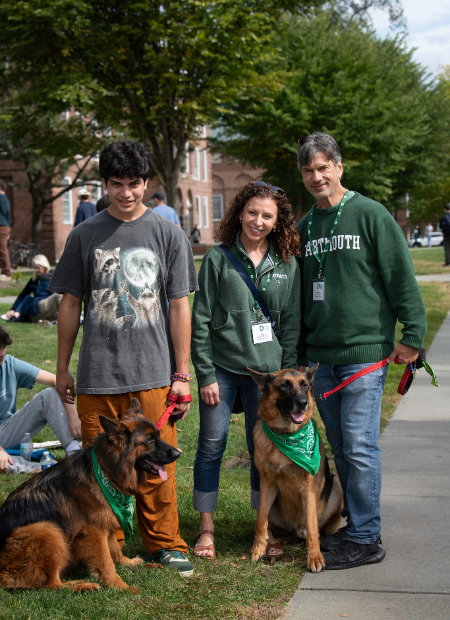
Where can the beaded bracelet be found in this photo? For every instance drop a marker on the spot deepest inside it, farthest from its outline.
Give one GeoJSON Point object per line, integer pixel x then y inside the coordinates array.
{"type": "Point", "coordinates": [179, 376]}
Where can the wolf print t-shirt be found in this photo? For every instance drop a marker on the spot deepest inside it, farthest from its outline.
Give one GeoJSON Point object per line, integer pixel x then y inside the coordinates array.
{"type": "Point", "coordinates": [125, 271]}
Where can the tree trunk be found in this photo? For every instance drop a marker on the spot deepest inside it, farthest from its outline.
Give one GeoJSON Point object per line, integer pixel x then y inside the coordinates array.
{"type": "Point", "coordinates": [39, 202]}
{"type": "Point", "coordinates": [36, 223]}
{"type": "Point", "coordinates": [171, 186]}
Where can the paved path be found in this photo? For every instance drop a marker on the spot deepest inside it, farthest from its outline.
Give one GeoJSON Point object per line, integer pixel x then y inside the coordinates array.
{"type": "Point", "coordinates": [8, 300]}
{"type": "Point", "coordinates": [439, 277]}
{"type": "Point", "coordinates": [413, 581]}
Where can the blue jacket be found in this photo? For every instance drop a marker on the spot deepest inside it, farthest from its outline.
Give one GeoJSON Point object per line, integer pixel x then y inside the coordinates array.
{"type": "Point", "coordinates": [85, 210]}
{"type": "Point", "coordinates": [34, 291]}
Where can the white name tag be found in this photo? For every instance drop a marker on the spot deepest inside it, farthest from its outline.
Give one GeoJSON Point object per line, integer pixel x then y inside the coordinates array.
{"type": "Point", "coordinates": [318, 289]}
{"type": "Point", "coordinates": [261, 332]}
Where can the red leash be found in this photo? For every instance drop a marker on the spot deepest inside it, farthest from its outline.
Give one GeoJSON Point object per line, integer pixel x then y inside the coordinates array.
{"type": "Point", "coordinates": [175, 398]}
{"type": "Point", "coordinates": [357, 375]}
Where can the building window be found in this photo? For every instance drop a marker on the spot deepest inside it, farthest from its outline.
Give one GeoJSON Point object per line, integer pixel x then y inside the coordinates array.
{"type": "Point", "coordinates": [197, 164]}
{"type": "Point", "coordinates": [203, 131]}
{"type": "Point", "coordinates": [187, 167]}
{"type": "Point", "coordinates": [198, 206]}
{"type": "Point", "coordinates": [205, 165]}
{"type": "Point", "coordinates": [217, 207]}
{"type": "Point", "coordinates": [97, 191]}
{"type": "Point", "coordinates": [205, 212]}
{"type": "Point", "coordinates": [67, 206]}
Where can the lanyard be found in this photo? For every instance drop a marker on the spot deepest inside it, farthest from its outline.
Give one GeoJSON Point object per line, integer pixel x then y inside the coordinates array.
{"type": "Point", "coordinates": [249, 266]}
{"type": "Point", "coordinates": [333, 228]}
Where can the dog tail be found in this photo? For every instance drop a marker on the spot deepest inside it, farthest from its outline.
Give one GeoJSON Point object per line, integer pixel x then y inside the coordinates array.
{"type": "Point", "coordinates": [33, 556]}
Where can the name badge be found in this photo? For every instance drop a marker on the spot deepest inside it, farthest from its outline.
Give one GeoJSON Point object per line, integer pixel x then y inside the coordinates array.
{"type": "Point", "coordinates": [318, 289]}
{"type": "Point", "coordinates": [261, 332]}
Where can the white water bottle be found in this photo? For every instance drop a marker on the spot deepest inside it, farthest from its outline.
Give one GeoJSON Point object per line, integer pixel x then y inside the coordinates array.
{"type": "Point", "coordinates": [46, 461]}
{"type": "Point", "coordinates": [26, 447]}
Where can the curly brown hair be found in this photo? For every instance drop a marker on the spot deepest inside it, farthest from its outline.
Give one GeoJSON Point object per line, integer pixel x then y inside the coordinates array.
{"type": "Point", "coordinates": [285, 238]}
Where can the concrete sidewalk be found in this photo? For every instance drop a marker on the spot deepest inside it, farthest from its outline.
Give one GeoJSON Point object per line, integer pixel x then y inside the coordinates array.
{"type": "Point", "coordinates": [413, 581]}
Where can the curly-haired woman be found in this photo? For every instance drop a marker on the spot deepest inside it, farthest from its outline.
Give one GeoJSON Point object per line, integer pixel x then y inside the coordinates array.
{"type": "Point", "coordinates": [259, 229]}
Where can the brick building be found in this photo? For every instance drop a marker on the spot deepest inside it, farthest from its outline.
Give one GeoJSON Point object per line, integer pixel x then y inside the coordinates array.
{"type": "Point", "coordinates": [228, 176]}
{"type": "Point", "coordinates": [194, 205]}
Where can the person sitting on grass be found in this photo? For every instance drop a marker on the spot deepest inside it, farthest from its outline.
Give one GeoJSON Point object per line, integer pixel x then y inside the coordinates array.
{"type": "Point", "coordinates": [35, 302]}
{"type": "Point", "coordinates": [44, 408]}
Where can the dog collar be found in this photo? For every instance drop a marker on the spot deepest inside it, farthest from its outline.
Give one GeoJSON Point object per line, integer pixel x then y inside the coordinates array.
{"type": "Point", "coordinates": [301, 447]}
{"type": "Point", "coordinates": [121, 503]}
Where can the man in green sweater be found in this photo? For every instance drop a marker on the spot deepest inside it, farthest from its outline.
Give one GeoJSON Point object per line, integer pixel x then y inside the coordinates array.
{"type": "Point", "coordinates": [358, 279]}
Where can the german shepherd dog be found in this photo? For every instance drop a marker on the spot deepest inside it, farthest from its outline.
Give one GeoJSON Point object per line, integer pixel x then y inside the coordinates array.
{"type": "Point", "coordinates": [60, 516]}
{"type": "Point", "coordinates": [290, 497]}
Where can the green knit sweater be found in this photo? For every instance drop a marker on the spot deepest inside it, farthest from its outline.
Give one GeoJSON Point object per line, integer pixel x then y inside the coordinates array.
{"type": "Point", "coordinates": [369, 284]}
{"type": "Point", "coordinates": [223, 310]}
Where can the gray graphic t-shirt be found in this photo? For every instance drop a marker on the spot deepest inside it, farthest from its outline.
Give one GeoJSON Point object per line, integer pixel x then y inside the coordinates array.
{"type": "Point", "coordinates": [125, 271]}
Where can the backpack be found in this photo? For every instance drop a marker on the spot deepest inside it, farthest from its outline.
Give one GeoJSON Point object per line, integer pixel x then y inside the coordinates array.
{"type": "Point", "coordinates": [445, 224]}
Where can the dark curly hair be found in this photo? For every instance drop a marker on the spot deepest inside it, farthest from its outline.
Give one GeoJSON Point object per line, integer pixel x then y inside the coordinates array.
{"type": "Point", "coordinates": [124, 159]}
{"type": "Point", "coordinates": [285, 238]}
{"type": "Point", "coordinates": [5, 338]}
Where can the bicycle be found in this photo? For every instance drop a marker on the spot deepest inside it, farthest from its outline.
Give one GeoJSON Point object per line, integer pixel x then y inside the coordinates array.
{"type": "Point", "coordinates": [22, 254]}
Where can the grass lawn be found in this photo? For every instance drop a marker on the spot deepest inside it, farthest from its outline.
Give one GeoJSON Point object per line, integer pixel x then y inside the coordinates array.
{"type": "Point", "coordinates": [19, 278]}
{"type": "Point", "coordinates": [232, 587]}
{"type": "Point", "coordinates": [428, 260]}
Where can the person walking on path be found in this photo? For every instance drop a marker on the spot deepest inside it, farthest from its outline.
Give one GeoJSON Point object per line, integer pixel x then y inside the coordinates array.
{"type": "Point", "coordinates": [124, 262]}
{"type": "Point", "coordinates": [195, 235]}
{"type": "Point", "coordinates": [5, 230]}
{"type": "Point", "coordinates": [428, 230]}
{"type": "Point", "coordinates": [86, 209]}
{"type": "Point", "coordinates": [444, 224]}
{"type": "Point", "coordinates": [163, 209]}
{"type": "Point", "coordinates": [231, 334]}
{"type": "Point", "coordinates": [358, 280]}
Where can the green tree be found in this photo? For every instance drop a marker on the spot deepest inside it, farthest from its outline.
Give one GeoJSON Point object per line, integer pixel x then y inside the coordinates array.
{"type": "Point", "coordinates": [387, 116]}
{"type": "Point", "coordinates": [433, 191]}
{"type": "Point", "coordinates": [47, 145]}
{"type": "Point", "coordinates": [162, 67]}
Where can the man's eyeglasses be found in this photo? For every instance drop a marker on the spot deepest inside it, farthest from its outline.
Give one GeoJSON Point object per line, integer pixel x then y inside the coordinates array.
{"type": "Point", "coordinates": [272, 188]}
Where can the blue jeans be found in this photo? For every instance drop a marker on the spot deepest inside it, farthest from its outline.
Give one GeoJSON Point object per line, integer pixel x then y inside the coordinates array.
{"type": "Point", "coordinates": [352, 422]}
{"type": "Point", "coordinates": [213, 435]}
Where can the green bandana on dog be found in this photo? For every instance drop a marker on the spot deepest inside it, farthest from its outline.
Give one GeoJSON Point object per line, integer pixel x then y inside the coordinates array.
{"type": "Point", "coordinates": [301, 447]}
{"type": "Point", "coordinates": [121, 504]}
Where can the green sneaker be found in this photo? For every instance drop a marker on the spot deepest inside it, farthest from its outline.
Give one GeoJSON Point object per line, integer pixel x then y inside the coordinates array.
{"type": "Point", "coordinates": [172, 559]}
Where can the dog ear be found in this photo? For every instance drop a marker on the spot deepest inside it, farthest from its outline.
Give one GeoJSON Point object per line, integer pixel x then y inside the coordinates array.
{"type": "Point", "coordinates": [311, 372]}
{"type": "Point", "coordinates": [260, 378]}
{"type": "Point", "coordinates": [111, 426]}
{"type": "Point", "coordinates": [135, 408]}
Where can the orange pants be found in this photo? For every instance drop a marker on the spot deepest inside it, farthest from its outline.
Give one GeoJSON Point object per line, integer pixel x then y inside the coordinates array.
{"type": "Point", "coordinates": [156, 502]}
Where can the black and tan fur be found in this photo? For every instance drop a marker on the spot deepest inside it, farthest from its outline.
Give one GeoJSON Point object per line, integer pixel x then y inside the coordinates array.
{"type": "Point", "coordinates": [290, 497]}
{"type": "Point", "coordinates": [60, 517]}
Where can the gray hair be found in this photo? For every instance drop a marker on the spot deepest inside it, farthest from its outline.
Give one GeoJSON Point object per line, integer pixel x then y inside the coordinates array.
{"type": "Point", "coordinates": [317, 141]}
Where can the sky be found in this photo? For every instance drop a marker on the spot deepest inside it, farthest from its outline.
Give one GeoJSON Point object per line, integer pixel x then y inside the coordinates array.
{"type": "Point", "coordinates": [428, 27]}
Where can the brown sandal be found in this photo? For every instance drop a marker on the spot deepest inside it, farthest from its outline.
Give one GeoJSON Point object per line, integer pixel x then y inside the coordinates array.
{"type": "Point", "coordinates": [275, 545]}
{"type": "Point", "coordinates": [209, 547]}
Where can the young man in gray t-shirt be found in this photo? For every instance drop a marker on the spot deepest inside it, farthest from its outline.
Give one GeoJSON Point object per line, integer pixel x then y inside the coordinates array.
{"type": "Point", "coordinates": [126, 261]}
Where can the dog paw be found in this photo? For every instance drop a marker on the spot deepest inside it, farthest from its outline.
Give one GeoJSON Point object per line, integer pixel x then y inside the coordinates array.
{"type": "Point", "coordinates": [134, 590]}
{"type": "Point", "coordinates": [316, 563]}
{"type": "Point", "coordinates": [136, 561]}
{"type": "Point", "coordinates": [86, 586]}
{"type": "Point", "coordinates": [258, 551]}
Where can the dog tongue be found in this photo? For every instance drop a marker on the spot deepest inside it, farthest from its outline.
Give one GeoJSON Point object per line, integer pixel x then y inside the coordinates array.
{"type": "Point", "coordinates": [297, 416]}
{"type": "Point", "coordinates": [161, 471]}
